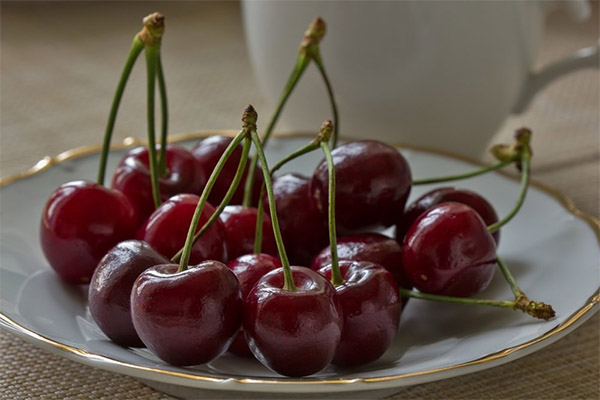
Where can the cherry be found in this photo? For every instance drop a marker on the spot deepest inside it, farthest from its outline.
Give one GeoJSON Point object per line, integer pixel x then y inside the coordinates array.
{"type": "Point", "coordinates": [304, 229]}
{"type": "Point", "coordinates": [448, 251]}
{"type": "Point", "coordinates": [371, 307]}
{"type": "Point", "coordinates": [81, 221]}
{"type": "Point", "coordinates": [293, 332]}
{"type": "Point", "coordinates": [187, 317]}
{"type": "Point", "coordinates": [110, 289]}
{"type": "Point", "coordinates": [249, 269]}
{"type": "Point", "coordinates": [239, 223]}
{"type": "Point", "coordinates": [443, 195]}
{"type": "Point", "coordinates": [207, 152]}
{"type": "Point", "coordinates": [132, 177]}
{"type": "Point", "coordinates": [167, 228]}
{"type": "Point", "coordinates": [372, 247]}
{"type": "Point", "coordinates": [373, 184]}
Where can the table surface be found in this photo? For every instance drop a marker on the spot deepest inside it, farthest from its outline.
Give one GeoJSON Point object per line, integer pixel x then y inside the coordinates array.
{"type": "Point", "coordinates": [59, 66]}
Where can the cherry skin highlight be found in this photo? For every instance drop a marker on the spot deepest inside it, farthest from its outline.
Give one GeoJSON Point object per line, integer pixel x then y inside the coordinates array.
{"type": "Point", "coordinates": [304, 230]}
{"type": "Point", "coordinates": [248, 269]}
{"type": "Point", "coordinates": [448, 251]}
{"type": "Point", "coordinates": [294, 333]}
{"type": "Point", "coordinates": [189, 317]}
{"type": "Point", "coordinates": [443, 195]}
{"type": "Point", "coordinates": [132, 177]}
{"type": "Point", "coordinates": [239, 223]}
{"type": "Point", "coordinates": [373, 181]}
{"type": "Point", "coordinates": [371, 307]}
{"type": "Point", "coordinates": [373, 247]}
{"type": "Point", "coordinates": [167, 228]}
{"type": "Point", "coordinates": [110, 289]}
{"type": "Point", "coordinates": [81, 221]}
{"type": "Point", "coordinates": [207, 152]}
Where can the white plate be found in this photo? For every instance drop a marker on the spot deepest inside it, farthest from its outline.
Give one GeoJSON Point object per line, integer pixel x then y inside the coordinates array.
{"type": "Point", "coordinates": [551, 247]}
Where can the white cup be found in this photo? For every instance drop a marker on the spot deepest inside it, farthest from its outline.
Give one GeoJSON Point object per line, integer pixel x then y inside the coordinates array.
{"type": "Point", "coordinates": [441, 74]}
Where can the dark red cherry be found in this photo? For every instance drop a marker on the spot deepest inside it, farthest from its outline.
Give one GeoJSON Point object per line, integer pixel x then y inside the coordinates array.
{"type": "Point", "coordinates": [373, 182]}
{"type": "Point", "coordinates": [294, 333]}
{"type": "Point", "coordinates": [443, 195]}
{"type": "Point", "coordinates": [449, 251]}
{"type": "Point", "coordinates": [372, 247]}
{"type": "Point", "coordinates": [371, 307]}
{"type": "Point", "coordinates": [81, 221]}
{"type": "Point", "coordinates": [132, 177]}
{"type": "Point", "coordinates": [189, 317]}
{"type": "Point", "coordinates": [303, 227]}
{"type": "Point", "coordinates": [110, 289]}
{"type": "Point", "coordinates": [239, 223]}
{"type": "Point", "coordinates": [167, 228]}
{"type": "Point", "coordinates": [249, 269]}
{"type": "Point", "coordinates": [207, 152]}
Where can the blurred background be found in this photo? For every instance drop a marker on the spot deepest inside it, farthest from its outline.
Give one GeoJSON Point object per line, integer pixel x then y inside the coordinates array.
{"type": "Point", "coordinates": [59, 66]}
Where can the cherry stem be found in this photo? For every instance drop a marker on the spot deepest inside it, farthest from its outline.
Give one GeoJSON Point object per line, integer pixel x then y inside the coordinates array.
{"type": "Point", "coordinates": [471, 174]}
{"type": "Point", "coordinates": [249, 123]}
{"type": "Point", "coordinates": [336, 275]}
{"type": "Point", "coordinates": [237, 178]}
{"type": "Point", "coordinates": [324, 135]}
{"type": "Point", "coordinates": [316, 55]}
{"type": "Point", "coordinates": [525, 173]}
{"type": "Point", "coordinates": [136, 48]}
{"type": "Point", "coordinates": [152, 54]}
{"type": "Point", "coordinates": [285, 263]}
{"type": "Point", "coordinates": [164, 107]}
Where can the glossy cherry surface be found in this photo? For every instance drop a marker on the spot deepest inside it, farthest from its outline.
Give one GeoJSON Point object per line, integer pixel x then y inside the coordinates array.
{"type": "Point", "coordinates": [373, 181]}
{"type": "Point", "coordinates": [443, 195]}
{"type": "Point", "coordinates": [132, 177]}
{"type": "Point", "coordinates": [81, 221]}
{"type": "Point", "coordinates": [110, 289]}
{"type": "Point", "coordinates": [303, 226]}
{"type": "Point", "coordinates": [167, 228]}
{"type": "Point", "coordinates": [207, 152]}
{"type": "Point", "coordinates": [294, 333]}
{"type": "Point", "coordinates": [371, 307]}
{"type": "Point", "coordinates": [449, 251]}
{"type": "Point", "coordinates": [239, 223]}
{"type": "Point", "coordinates": [372, 247]}
{"type": "Point", "coordinates": [248, 269]}
{"type": "Point", "coordinates": [189, 317]}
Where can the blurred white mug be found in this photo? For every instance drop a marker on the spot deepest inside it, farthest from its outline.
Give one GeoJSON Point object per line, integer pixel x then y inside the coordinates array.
{"type": "Point", "coordinates": [439, 74]}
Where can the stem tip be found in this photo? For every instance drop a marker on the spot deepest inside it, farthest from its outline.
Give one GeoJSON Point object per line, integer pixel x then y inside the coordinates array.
{"type": "Point", "coordinates": [536, 309]}
{"type": "Point", "coordinates": [153, 30]}
{"type": "Point", "coordinates": [249, 117]}
{"type": "Point", "coordinates": [315, 32]}
{"type": "Point", "coordinates": [325, 132]}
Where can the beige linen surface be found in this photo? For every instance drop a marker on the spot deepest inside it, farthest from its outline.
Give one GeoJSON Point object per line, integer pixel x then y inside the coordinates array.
{"type": "Point", "coordinates": [59, 66]}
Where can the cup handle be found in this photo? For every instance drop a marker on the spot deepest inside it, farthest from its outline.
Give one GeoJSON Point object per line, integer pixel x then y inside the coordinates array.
{"type": "Point", "coordinates": [587, 57]}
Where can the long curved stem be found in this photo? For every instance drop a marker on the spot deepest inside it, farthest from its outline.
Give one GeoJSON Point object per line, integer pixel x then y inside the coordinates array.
{"type": "Point", "coordinates": [471, 174]}
{"type": "Point", "coordinates": [152, 53]}
{"type": "Point", "coordinates": [525, 173]}
{"type": "Point", "coordinates": [136, 48]}
{"type": "Point", "coordinates": [334, 109]}
{"type": "Point", "coordinates": [299, 68]}
{"type": "Point", "coordinates": [336, 275]}
{"type": "Point", "coordinates": [226, 199]}
{"type": "Point", "coordinates": [285, 263]}
{"type": "Point", "coordinates": [164, 108]}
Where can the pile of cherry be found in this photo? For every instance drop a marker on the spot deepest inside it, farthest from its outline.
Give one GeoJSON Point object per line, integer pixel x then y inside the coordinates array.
{"type": "Point", "coordinates": [180, 257]}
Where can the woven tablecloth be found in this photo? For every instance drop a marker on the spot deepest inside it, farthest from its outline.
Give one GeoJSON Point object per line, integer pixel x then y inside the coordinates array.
{"type": "Point", "coordinates": [59, 66]}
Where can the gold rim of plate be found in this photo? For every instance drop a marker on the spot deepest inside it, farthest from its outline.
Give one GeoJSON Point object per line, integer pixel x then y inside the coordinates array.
{"type": "Point", "coordinates": [47, 162]}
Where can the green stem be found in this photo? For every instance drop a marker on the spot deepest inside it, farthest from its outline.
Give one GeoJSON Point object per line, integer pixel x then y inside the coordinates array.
{"type": "Point", "coordinates": [260, 217]}
{"type": "Point", "coordinates": [152, 53]}
{"type": "Point", "coordinates": [301, 64]}
{"type": "Point", "coordinates": [334, 109]}
{"type": "Point", "coordinates": [287, 272]}
{"type": "Point", "coordinates": [471, 174]}
{"type": "Point", "coordinates": [510, 279]}
{"type": "Point", "coordinates": [164, 107]}
{"type": "Point", "coordinates": [136, 48]}
{"type": "Point", "coordinates": [525, 173]}
{"type": "Point", "coordinates": [226, 199]}
{"type": "Point", "coordinates": [189, 241]}
{"type": "Point", "coordinates": [336, 275]}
